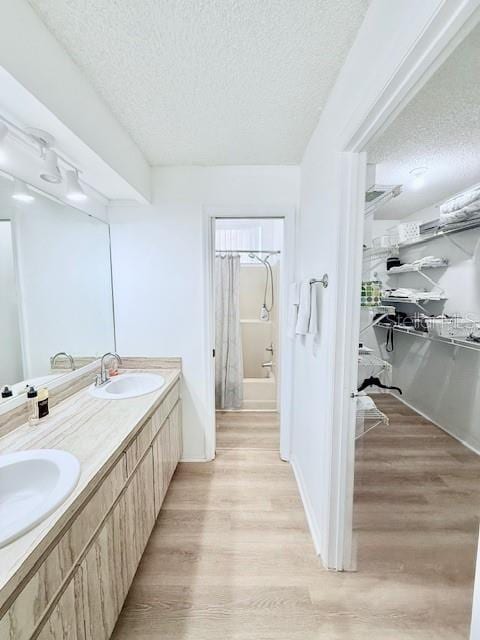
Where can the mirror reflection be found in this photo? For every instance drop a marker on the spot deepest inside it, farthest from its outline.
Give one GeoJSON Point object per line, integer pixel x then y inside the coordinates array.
{"type": "Point", "coordinates": [55, 288]}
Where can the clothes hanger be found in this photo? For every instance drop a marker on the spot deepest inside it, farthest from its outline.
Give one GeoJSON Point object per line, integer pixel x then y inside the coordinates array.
{"type": "Point", "coordinates": [375, 382]}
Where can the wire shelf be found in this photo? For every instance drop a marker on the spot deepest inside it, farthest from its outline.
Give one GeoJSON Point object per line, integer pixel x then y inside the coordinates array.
{"type": "Point", "coordinates": [372, 361]}
{"type": "Point", "coordinates": [456, 342]}
{"type": "Point", "coordinates": [381, 311]}
{"type": "Point", "coordinates": [415, 300]}
{"type": "Point", "coordinates": [399, 270]}
{"type": "Point", "coordinates": [370, 415]}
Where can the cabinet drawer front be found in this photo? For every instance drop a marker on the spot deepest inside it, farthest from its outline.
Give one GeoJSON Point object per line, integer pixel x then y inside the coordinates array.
{"type": "Point", "coordinates": [140, 444]}
{"type": "Point", "coordinates": [32, 601]}
{"type": "Point", "coordinates": [164, 409]}
{"type": "Point", "coordinates": [66, 619]}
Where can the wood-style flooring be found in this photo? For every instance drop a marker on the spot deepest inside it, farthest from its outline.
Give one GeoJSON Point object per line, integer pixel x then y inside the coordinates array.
{"type": "Point", "coordinates": [231, 558]}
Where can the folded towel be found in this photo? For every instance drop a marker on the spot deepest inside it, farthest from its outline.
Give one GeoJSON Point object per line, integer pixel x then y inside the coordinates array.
{"type": "Point", "coordinates": [314, 321]}
{"type": "Point", "coordinates": [460, 201]}
{"type": "Point", "coordinates": [303, 319]}
{"type": "Point", "coordinates": [313, 327]}
{"type": "Point", "coordinates": [293, 302]}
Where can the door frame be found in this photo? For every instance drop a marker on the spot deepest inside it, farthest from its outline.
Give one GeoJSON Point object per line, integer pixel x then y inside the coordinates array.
{"type": "Point", "coordinates": [450, 24]}
{"type": "Point", "coordinates": [287, 274]}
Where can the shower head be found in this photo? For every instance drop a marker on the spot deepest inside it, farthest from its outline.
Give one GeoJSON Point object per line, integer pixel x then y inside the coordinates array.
{"type": "Point", "coordinates": [253, 256]}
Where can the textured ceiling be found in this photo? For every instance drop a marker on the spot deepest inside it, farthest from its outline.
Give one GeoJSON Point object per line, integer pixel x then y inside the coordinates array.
{"type": "Point", "coordinates": [210, 81]}
{"type": "Point", "coordinates": [439, 129]}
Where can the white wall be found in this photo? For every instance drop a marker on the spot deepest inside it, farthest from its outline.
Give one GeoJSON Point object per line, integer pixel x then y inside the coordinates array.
{"type": "Point", "coordinates": [159, 257]}
{"type": "Point", "coordinates": [375, 57]}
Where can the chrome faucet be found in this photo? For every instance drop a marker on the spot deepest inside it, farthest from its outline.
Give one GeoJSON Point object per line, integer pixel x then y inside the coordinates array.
{"type": "Point", "coordinates": [103, 376]}
{"type": "Point", "coordinates": [65, 355]}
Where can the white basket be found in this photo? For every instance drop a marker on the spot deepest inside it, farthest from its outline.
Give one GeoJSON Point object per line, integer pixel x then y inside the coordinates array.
{"type": "Point", "coordinates": [408, 231]}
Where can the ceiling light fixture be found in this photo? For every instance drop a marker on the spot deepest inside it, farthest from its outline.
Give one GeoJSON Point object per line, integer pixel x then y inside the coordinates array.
{"type": "Point", "coordinates": [418, 177]}
{"type": "Point", "coordinates": [51, 172]}
{"type": "Point", "coordinates": [21, 192]}
{"type": "Point", "coordinates": [74, 190]}
{"type": "Point", "coordinates": [55, 167]}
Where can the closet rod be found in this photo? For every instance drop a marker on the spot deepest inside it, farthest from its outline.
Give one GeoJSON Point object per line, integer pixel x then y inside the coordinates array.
{"type": "Point", "coordinates": [246, 251]}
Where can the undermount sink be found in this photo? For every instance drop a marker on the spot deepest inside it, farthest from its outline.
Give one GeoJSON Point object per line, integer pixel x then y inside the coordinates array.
{"type": "Point", "coordinates": [128, 385]}
{"type": "Point", "coordinates": [32, 485]}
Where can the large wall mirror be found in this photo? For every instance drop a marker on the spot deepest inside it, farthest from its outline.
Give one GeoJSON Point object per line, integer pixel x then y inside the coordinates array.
{"type": "Point", "coordinates": [55, 289]}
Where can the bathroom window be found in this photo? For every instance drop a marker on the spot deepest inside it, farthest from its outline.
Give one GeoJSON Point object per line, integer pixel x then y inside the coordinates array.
{"type": "Point", "coordinates": [241, 238]}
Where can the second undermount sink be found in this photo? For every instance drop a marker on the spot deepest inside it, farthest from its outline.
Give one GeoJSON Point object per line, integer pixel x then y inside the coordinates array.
{"type": "Point", "coordinates": [33, 484]}
{"type": "Point", "coordinates": [128, 385]}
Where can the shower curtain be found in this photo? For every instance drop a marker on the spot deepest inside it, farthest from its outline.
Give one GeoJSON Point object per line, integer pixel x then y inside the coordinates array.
{"type": "Point", "coordinates": [228, 339]}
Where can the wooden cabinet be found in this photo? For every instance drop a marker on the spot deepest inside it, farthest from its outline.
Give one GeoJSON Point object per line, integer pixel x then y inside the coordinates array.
{"type": "Point", "coordinates": [96, 557]}
{"type": "Point", "coordinates": [167, 449]}
{"type": "Point", "coordinates": [35, 597]}
{"type": "Point", "coordinates": [66, 621]}
{"type": "Point", "coordinates": [110, 564]}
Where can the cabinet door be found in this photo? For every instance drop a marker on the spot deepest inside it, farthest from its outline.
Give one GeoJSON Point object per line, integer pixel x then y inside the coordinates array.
{"type": "Point", "coordinates": [140, 444]}
{"type": "Point", "coordinates": [159, 485]}
{"type": "Point", "coordinates": [66, 619]}
{"type": "Point", "coordinates": [176, 434]}
{"type": "Point", "coordinates": [110, 564]}
{"type": "Point", "coordinates": [101, 593]}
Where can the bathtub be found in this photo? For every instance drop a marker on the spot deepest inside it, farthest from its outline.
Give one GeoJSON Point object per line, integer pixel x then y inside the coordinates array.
{"type": "Point", "coordinates": [259, 394]}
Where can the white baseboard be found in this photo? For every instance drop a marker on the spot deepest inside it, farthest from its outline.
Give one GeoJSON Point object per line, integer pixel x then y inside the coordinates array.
{"type": "Point", "coordinates": [440, 426]}
{"type": "Point", "coordinates": [307, 506]}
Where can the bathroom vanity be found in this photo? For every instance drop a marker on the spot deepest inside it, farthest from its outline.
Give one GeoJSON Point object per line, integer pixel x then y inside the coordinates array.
{"type": "Point", "coordinates": [68, 577]}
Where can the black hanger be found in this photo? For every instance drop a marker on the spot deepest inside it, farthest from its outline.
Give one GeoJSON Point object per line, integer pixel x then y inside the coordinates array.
{"type": "Point", "coordinates": [375, 382]}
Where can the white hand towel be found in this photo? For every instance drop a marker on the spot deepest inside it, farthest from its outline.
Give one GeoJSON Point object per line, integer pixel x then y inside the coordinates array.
{"type": "Point", "coordinates": [293, 302]}
{"type": "Point", "coordinates": [314, 322]}
{"type": "Point", "coordinates": [303, 319]}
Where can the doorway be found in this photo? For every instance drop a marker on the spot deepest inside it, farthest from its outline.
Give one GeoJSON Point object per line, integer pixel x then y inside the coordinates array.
{"type": "Point", "coordinates": [250, 267]}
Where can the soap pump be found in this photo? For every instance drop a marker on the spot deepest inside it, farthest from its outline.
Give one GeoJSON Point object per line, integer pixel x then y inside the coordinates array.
{"type": "Point", "coordinates": [7, 392]}
{"type": "Point", "coordinates": [32, 401]}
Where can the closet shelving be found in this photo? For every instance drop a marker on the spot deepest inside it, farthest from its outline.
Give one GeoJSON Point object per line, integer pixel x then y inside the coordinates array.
{"type": "Point", "coordinates": [397, 271]}
{"type": "Point", "coordinates": [441, 232]}
{"type": "Point", "coordinates": [373, 362]}
{"type": "Point", "coordinates": [420, 270]}
{"type": "Point", "coordinates": [457, 342]}
{"type": "Point", "coordinates": [377, 313]}
{"type": "Point", "coordinates": [413, 300]}
{"type": "Point", "coordinates": [372, 252]}
{"type": "Point", "coordinates": [377, 252]}
{"type": "Point", "coordinates": [370, 415]}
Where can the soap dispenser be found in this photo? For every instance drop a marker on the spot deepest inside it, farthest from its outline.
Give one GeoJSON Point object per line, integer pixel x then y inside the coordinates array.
{"type": "Point", "coordinates": [7, 392]}
{"type": "Point", "coordinates": [32, 405]}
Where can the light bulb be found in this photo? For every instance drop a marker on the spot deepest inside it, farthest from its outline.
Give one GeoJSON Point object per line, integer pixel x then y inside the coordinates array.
{"type": "Point", "coordinates": [74, 191]}
{"type": "Point", "coordinates": [21, 192]}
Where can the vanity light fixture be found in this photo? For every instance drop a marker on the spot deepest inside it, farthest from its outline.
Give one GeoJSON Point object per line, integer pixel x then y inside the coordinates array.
{"type": "Point", "coordinates": [418, 175]}
{"type": "Point", "coordinates": [55, 167]}
{"type": "Point", "coordinates": [51, 172]}
{"type": "Point", "coordinates": [21, 192]}
{"type": "Point", "coordinates": [74, 190]}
